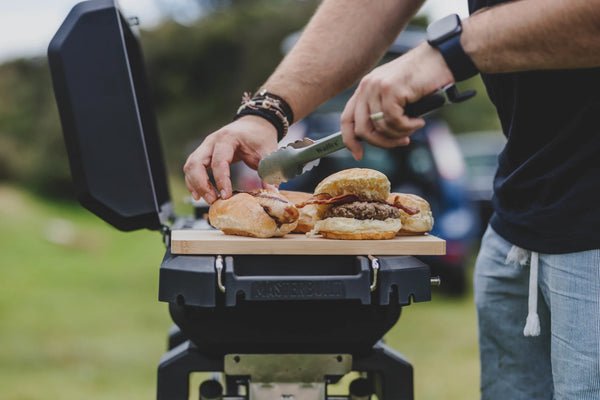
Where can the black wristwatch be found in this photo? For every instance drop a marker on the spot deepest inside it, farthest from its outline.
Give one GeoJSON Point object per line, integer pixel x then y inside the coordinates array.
{"type": "Point", "coordinates": [444, 35]}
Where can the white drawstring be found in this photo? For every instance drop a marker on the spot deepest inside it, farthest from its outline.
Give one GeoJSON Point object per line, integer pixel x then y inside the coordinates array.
{"type": "Point", "coordinates": [520, 256]}
{"type": "Point", "coordinates": [532, 326]}
{"type": "Point", "coordinates": [517, 255]}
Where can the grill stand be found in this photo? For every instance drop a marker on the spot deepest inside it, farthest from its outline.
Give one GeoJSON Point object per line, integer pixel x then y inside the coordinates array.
{"type": "Point", "coordinates": [389, 374]}
{"type": "Point", "coordinates": [247, 321]}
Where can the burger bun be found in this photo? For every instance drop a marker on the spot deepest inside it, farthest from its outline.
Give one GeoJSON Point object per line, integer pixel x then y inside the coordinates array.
{"type": "Point", "coordinates": [307, 214]}
{"type": "Point", "coordinates": [367, 184]}
{"type": "Point", "coordinates": [350, 228]}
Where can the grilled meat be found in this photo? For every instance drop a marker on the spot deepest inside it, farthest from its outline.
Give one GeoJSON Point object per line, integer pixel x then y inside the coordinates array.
{"type": "Point", "coordinates": [363, 210]}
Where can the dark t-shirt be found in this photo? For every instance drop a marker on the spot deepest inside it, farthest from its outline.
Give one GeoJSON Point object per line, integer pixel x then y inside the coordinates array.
{"type": "Point", "coordinates": [547, 187]}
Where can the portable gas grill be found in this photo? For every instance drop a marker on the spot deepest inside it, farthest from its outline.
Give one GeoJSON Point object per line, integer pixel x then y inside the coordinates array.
{"type": "Point", "coordinates": [278, 318]}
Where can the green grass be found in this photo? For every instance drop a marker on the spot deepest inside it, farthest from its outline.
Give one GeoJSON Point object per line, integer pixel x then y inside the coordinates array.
{"type": "Point", "coordinates": [80, 319]}
{"type": "Point", "coordinates": [439, 338]}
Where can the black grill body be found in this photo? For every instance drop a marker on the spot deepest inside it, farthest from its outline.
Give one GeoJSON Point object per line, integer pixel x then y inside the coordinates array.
{"type": "Point", "coordinates": [289, 304]}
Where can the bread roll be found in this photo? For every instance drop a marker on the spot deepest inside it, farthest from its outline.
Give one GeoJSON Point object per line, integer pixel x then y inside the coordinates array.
{"type": "Point", "coordinates": [259, 214]}
{"type": "Point", "coordinates": [415, 224]}
{"type": "Point", "coordinates": [307, 214]}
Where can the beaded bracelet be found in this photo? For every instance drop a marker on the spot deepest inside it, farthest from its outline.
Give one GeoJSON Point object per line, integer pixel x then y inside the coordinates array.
{"type": "Point", "coordinates": [285, 108]}
{"type": "Point", "coordinates": [270, 107]}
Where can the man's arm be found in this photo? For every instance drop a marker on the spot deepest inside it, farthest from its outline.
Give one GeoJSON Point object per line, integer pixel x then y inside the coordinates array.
{"type": "Point", "coordinates": [534, 35]}
{"type": "Point", "coordinates": [343, 40]}
{"type": "Point", "coordinates": [341, 43]}
{"type": "Point", "coordinates": [516, 36]}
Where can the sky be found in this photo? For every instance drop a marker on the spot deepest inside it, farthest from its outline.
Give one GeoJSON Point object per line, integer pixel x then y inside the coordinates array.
{"type": "Point", "coordinates": [26, 26]}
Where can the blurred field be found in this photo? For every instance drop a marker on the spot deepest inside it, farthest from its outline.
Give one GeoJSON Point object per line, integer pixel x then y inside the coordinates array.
{"type": "Point", "coordinates": [80, 319]}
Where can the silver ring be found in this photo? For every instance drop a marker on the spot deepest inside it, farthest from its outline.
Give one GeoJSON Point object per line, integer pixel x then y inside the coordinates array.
{"type": "Point", "coordinates": [377, 116]}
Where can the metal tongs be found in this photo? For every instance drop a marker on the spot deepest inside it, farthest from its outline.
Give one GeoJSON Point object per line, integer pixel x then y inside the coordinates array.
{"type": "Point", "coordinates": [303, 155]}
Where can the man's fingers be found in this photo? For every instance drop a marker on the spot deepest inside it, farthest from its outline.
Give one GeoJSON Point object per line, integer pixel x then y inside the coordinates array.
{"type": "Point", "coordinates": [354, 145]}
{"type": "Point", "coordinates": [268, 186]}
{"type": "Point", "coordinates": [192, 189]}
{"type": "Point", "coordinates": [390, 142]}
{"type": "Point", "coordinates": [198, 182]}
{"type": "Point", "coordinates": [394, 129]}
{"type": "Point", "coordinates": [196, 174]}
{"type": "Point", "coordinates": [363, 125]}
{"type": "Point", "coordinates": [392, 122]}
{"type": "Point", "coordinates": [222, 157]}
{"type": "Point", "coordinates": [348, 135]}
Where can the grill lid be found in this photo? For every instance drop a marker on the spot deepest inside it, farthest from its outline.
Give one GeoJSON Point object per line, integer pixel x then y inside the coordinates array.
{"type": "Point", "coordinates": [107, 118]}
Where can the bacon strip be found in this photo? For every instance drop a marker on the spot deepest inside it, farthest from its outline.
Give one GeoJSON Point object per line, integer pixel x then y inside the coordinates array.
{"type": "Point", "coordinates": [259, 193]}
{"type": "Point", "coordinates": [325, 198]}
{"type": "Point", "coordinates": [406, 209]}
{"type": "Point", "coordinates": [281, 210]}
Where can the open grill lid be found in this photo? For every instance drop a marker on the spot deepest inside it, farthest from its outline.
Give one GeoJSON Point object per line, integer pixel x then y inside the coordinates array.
{"type": "Point", "coordinates": [107, 118]}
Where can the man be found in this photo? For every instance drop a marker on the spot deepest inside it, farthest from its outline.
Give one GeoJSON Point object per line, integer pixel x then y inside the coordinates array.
{"type": "Point", "coordinates": [539, 60]}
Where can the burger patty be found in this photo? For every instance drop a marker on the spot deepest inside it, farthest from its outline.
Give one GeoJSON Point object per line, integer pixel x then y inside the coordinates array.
{"type": "Point", "coordinates": [363, 210]}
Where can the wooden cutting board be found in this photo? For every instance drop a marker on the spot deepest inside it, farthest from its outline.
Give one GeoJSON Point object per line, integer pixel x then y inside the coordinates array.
{"type": "Point", "coordinates": [215, 242]}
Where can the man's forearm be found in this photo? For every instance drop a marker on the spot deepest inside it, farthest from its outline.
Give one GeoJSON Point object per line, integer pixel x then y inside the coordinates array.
{"type": "Point", "coordinates": [343, 40]}
{"type": "Point", "coordinates": [533, 35]}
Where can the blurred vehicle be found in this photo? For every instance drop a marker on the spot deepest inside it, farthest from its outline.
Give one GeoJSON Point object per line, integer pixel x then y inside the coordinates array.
{"type": "Point", "coordinates": [480, 151]}
{"type": "Point", "coordinates": [431, 167]}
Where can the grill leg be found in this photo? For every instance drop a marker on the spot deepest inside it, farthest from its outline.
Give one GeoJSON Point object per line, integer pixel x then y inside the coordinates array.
{"type": "Point", "coordinates": [392, 374]}
{"type": "Point", "coordinates": [175, 367]}
{"type": "Point", "coordinates": [176, 337]}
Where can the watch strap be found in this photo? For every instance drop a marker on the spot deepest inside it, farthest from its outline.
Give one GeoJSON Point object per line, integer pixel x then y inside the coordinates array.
{"type": "Point", "coordinates": [458, 61]}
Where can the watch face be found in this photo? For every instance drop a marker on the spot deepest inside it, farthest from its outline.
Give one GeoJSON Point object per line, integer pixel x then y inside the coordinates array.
{"type": "Point", "coordinates": [443, 29]}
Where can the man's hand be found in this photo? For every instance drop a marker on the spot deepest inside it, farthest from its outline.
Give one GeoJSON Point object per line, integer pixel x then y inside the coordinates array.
{"type": "Point", "coordinates": [248, 139]}
{"type": "Point", "coordinates": [388, 89]}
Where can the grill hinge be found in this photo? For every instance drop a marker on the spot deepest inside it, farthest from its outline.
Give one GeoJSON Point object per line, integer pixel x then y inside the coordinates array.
{"type": "Point", "coordinates": [165, 231]}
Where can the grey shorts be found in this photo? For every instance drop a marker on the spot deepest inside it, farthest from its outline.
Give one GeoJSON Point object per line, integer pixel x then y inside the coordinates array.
{"type": "Point", "coordinates": [563, 362]}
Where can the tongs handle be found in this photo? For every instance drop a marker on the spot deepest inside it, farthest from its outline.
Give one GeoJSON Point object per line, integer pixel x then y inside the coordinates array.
{"type": "Point", "coordinates": [436, 100]}
{"type": "Point", "coordinates": [425, 105]}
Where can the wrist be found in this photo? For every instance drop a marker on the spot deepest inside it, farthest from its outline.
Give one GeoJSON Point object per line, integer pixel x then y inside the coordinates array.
{"type": "Point", "coordinates": [445, 36]}
{"type": "Point", "coordinates": [440, 74]}
{"type": "Point", "coordinates": [270, 107]}
{"type": "Point", "coordinates": [256, 123]}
